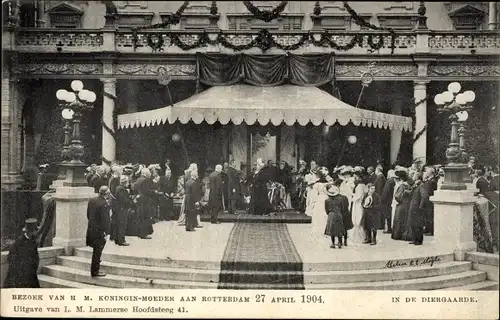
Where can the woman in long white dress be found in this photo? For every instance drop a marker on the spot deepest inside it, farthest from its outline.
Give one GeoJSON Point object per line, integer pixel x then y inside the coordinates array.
{"type": "Point", "coordinates": [310, 179]}
{"type": "Point", "coordinates": [357, 234]}
{"type": "Point", "coordinates": [319, 215]}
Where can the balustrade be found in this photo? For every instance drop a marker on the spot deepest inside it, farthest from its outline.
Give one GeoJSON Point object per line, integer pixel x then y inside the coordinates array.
{"type": "Point", "coordinates": [455, 42]}
{"type": "Point", "coordinates": [42, 40]}
{"type": "Point", "coordinates": [84, 40]}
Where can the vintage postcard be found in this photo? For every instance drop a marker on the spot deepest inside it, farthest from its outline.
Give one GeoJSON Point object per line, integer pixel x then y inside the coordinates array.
{"type": "Point", "coordinates": [250, 159]}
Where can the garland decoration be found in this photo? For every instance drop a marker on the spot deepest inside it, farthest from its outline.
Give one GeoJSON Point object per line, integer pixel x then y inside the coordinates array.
{"type": "Point", "coordinates": [363, 23]}
{"type": "Point", "coordinates": [155, 42]}
{"type": "Point", "coordinates": [265, 15]}
{"type": "Point", "coordinates": [264, 40]}
{"type": "Point", "coordinates": [115, 124]}
{"type": "Point", "coordinates": [172, 19]}
{"type": "Point", "coordinates": [420, 133]}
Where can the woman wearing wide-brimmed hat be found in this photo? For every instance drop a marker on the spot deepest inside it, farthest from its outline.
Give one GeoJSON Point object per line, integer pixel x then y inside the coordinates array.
{"type": "Point", "coordinates": [337, 209]}
{"type": "Point", "coordinates": [402, 196]}
{"type": "Point", "coordinates": [357, 233]}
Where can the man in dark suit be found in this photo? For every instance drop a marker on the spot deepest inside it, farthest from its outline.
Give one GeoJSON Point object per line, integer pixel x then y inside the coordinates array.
{"type": "Point", "coordinates": [145, 206]}
{"type": "Point", "coordinates": [379, 183]}
{"type": "Point", "coordinates": [98, 228]}
{"type": "Point", "coordinates": [481, 183]}
{"type": "Point", "coordinates": [420, 205]}
{"type": "Point", "coordinates": [193, 197]}
{"type": "Point", "coordinates": [167, 190]}
{"type": "Point", "coordinates": [23, 259]}
{"type": "Point", "coordinates": [99, 178]}
{"type": "Point", "coordinates": [121, 205]}
{"type": "Point", "coordinates": [370, 175]}
{"type": "Point", "coordinates": [233, 187]}
{"type": "Point", "coordinates": [386, 199]}
{"type": "Point", "coordinates": [215, 196]}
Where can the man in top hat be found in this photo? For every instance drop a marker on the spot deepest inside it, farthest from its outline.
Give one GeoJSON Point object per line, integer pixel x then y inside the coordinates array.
{"type": "Point", "coordinates": [98, 228]}
{"type": "Point", "coordinates": [23, 259]}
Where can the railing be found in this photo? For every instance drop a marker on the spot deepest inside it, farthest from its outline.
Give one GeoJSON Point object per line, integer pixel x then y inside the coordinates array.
{"type": "Point", "coordinates": [42, 40]}
{"type": "Point", "coordinates": [463, 42]}
{"type": "Point", "coordinates": [85, 40]}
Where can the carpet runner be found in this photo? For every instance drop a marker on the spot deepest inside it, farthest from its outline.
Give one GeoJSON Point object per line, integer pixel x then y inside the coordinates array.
{"type": "Point", "coordinates": [280, 217]}
{"type": "Point", "coordinates": [261, 256]}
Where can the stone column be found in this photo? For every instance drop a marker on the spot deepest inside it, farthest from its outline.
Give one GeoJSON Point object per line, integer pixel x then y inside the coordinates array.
{"type": "Point", "coordinates": [14, 178]}
{"type": "Point", "coordinates": [396, 134]}
{"type": "Point", "coordinates": [71, 216]}
{"type": "Point", "coordinates": [40, 13]}
{"type": "Point", "coordinates": [492, 15]}
{"type": "Point", "coordinates": [420, 146]}
{"type": "Point", "coordinates": [453, 221]}
{"type": "Point", "coordinates": [108, 128]}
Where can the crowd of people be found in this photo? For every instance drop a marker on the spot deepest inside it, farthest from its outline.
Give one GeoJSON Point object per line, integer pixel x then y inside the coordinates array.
{"type": "Point", "coordinates": [346, 203]}
{"type": "Point", "coordinates": [353, 203]}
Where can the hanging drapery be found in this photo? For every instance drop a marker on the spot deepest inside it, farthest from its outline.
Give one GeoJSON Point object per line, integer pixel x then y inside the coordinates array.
{"type": "Point", "coordinates": [266, 70]}
{"type": "Point", "coordinates": [286, 103]}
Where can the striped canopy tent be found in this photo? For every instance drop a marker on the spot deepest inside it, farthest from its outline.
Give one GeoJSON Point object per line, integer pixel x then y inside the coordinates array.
{"type": "Point", "coordinates": [250, 104]}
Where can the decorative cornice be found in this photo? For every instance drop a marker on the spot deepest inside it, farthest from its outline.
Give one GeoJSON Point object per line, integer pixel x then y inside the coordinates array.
{"type": "Point", "coordinates": [57, 68]}
{"type": "Point", "coordinates": [152, 69]}
{"type": "Point", "coordinates": [465, 69]}
{"type": "Point", "coordinates": [379, 70]}
{"type": "Point", "coordinates": [345, 69]}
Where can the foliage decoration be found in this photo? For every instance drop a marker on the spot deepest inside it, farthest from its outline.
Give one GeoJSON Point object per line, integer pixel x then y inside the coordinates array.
{"type": "Point", "coordinates": [418, 134]}
{"type": "Point", "coordinates": [375, 46]}
{"type": "Point", "coordinates": [265, 15]}
{"type": "Point", "coordinates": [155, 42]}
{"type": "Point", "coordinates": [363, 23]}
{"type": "Point", "coordinates": [263, 40]}
{"type": "Point", "coordinates": [172, 19]}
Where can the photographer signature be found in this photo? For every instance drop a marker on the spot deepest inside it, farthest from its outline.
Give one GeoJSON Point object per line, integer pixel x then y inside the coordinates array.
{"type": "Point", "coordinates": [413, 262]}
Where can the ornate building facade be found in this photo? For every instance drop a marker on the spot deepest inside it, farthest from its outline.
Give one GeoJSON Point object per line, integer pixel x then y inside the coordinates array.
{"type": "Point", "coordinates": [46, 44]}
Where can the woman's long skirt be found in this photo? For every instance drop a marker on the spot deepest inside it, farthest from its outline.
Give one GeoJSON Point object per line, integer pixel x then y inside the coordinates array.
{"type": "Point", "coordinates": [182, 215]}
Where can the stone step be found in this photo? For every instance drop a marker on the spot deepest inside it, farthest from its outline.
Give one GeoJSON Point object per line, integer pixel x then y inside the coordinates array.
{"type": "Point", "coordinates": [478, 286]}
{"type": "Point", "coordinates": [368, 264]}
{"type": "Point", "coordinates": [167, 262]}
{"type": "Point", "coordinates": [117, 281]}
{"type": "Point", "coordinates": [129, 270]}
{"type": "Point", "coordinates": [491, 271]}
{"type": "Point", "coordinates": [198, 275]}
{"type": "Point", "coordinates": [489, 259]}
{"type": "Point", "coordinates": [387, 274]}
{"type": "Point", "coordinates": [429, 283]}
{"type": "Point", "coordinates": [86, 252]}
{"type": "Point", "coordinates": [52, 282]}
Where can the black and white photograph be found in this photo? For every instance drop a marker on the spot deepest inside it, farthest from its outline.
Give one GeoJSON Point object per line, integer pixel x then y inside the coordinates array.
{"type": "Point", "coordinates": [281, 152]}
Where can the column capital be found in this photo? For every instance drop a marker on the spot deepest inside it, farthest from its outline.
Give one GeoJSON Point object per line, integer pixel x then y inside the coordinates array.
{"type": "Point", "coordinates": [108, 80]}
{"type": "Point", "coordinates": [420, 84]}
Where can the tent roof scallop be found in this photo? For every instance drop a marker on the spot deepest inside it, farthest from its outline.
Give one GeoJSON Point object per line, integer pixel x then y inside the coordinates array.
{"type": "Point", "coordinates": [285, 103]}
